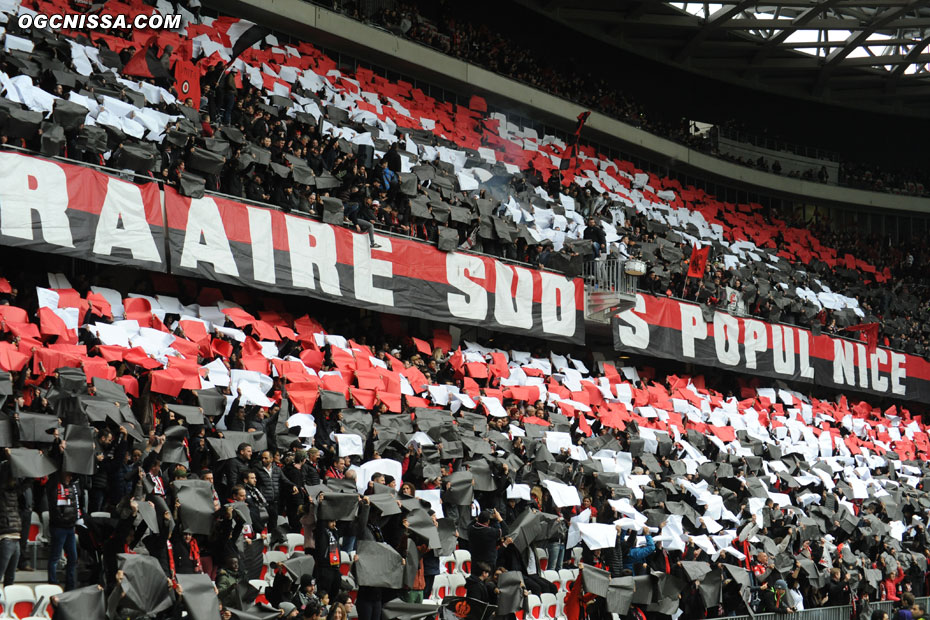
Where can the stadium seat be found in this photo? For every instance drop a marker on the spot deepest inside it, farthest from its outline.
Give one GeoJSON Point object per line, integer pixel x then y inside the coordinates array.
{"type": "Point", "coordinates": [568, 578]}
{"type": "Point", "coordinates": [447, 563]}
{"type": "Point", "coordinates": [457, 584]}
{"type": "Point", "coordinates": [576, 557]}
{"type": "Point", "coordinates": [20, 600]}
{"type": "Point", "coordinates": [550, 607]}
{"type": "Point", "coordinates": [542, 558]}
{"type": "Point", "coordinates": [438, 583]}
{"type": "Point", "coordinates": [560, 605]}
{"type": "Point", "coordinates": [46, 591]}
{"type": "Point", "coordinates": [267, 559]}
{"type": "Point", "coordinates": [462, 561]}
{"type": "Point", "coordinates": [441, 587]}
{"type": "Point", "coordinates": [345, 563]}
{"type": "Point", "coordinates": [533, 607]}
{"type": "Point", "coordinates": [552, 576]}
{"type": "Point", "coordinates": [295, 542]}
{"type": "Point", "coordinates": [37, 529]}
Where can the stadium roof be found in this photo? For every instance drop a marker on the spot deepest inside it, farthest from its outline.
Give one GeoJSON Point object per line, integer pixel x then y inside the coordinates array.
{"type": "Point", "coordinates": [865, 53]}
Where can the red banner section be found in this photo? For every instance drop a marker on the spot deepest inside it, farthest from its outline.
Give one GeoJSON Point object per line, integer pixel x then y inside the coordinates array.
{"type": "Point", "coordinates": [663, 327]}
{"type": "Point", "coordinates": [76, 211]}
{"type": "Point", "coordinates": [265, 248]}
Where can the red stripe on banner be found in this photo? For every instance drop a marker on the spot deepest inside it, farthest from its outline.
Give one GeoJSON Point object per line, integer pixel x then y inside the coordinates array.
{"type": "Point", "coordinates": [86, 189]}
{"type": "Point", "coordinates": [410, 259]}
{"type": "Point", "coordinates": [666, 313]}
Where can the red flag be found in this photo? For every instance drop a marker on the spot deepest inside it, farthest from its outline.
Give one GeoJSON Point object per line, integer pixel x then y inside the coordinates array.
{"type": "Point", "coordinates": [698, 262]}
{"type": "Point", "coordinates": [187, 82]}
{"type": "Point", "coordinates": [478, 104]}
{"type": "Point", "coordinates": [144, 63]}
{"type": "Point", "coordinates": [869, 334]}
{"type": "Point", "coordinates": [50, 324]}
{"type": "Point", "coordinates": [572, 605]}
{"type": "Point", "coordinates": [422, 346]}
{"type": "Point", "coordinates": [456, 360]}
{"type": "Point", "coordinates": [571, 151]}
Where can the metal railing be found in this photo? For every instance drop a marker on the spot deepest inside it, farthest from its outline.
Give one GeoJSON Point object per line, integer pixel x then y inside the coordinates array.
{"type": "Point", "coordinates": [827, 613]}
{"type": "Point", "coordinates": [608, 276]}
{"type": "Point", "coordinates": [776, 144]}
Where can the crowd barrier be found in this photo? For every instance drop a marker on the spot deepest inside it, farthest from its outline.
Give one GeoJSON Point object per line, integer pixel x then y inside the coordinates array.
{"type": "Point", "coordinates": [843, 612]}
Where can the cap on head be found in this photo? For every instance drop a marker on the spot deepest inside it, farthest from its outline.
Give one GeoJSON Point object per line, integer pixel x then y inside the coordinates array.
{"type": "Point", "coordinates": [781, 584]}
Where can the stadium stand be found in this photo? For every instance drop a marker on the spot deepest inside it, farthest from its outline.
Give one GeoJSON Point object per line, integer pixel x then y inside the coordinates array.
{"type": "Point", "coordinates": [185, 446]}
{"type": "Point", "coordinates": [492, 44]}
{"type": "Point", "coordinates": [731, 486]}
{"type": "Point", "coordinates": [472, 178]}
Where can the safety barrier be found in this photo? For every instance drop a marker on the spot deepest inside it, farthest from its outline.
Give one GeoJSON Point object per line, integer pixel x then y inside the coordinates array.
{"type": "Point", "coordinates": [828, 613]}
{"type": "Point", "coordinates": [608, 275]}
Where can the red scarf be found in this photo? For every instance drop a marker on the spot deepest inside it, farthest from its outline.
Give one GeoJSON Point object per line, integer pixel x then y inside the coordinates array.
{"type": "Point", "coordinates": [171, 558]}
{"type": "Point", "coordinates": [195, 556]}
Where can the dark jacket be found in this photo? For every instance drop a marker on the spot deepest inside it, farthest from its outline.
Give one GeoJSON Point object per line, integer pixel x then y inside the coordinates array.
{"type": "Point", "coordinates": [614, 558]}
{"type": "Point", "coordinates": [64, 501]}
{"type": "Point", "coordinates": [477, 589]}
{"type": "Point", "coordinates": [483, 541]}
{"type": "Point", "coordinates": [234, 469]}
{"type": "Point", "coordinates": [269, 484]}
{"type": "Point", "coordinates": [10, 520]}
{"type": "Point", "coordinates": [772, 603]}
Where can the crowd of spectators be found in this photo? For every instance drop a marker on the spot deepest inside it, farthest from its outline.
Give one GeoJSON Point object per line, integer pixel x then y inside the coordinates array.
{"type": "Point", "coordinates": [582, 465]}
{"type": "Point", "coordinates": [358, 434]}
{"type": "Point", "coordinates": [489, 45]}
{"type": "Point", "coordinates": [245, 143]}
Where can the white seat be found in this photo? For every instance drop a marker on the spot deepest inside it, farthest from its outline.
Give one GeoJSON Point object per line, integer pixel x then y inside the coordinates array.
{"type": "Point", "coordinates": [258, 584]}
{"type": "Point", "coordinates": [533, 607]}
{"type": "Point", "coordinates": [36, 536]}
{"type": "Point", "coordinates": [552, 576]}
{"type": "Point", "coordinates": [295, 542]}
{"type": "Point", "coordinates": [576, 556]}
{"type": "Point", "coordinates": [550, 607]}
{"type": "Point", "coordinates": [447, 564]}
{"type": "Point", "coordinates": [457, 584]}
{"type": "Point", "coordinates": [565, 579]}
{"type": "Point", "coordinates": [275, 556]}
{"type": "Point", "coordinates": [19, 599]}
{"type": "Point", "coordinates": [440, 587]}
{"type": "Point", "coordinates": [345, 563]}
{"type": "Point", "coordinates": [542, 558]}
{"type": "Point", "coordinates": [269, 557]}
{"type": "Point", "coordinates": [462, 561]}
{"type": "Point", "coordinates": [46, 591]}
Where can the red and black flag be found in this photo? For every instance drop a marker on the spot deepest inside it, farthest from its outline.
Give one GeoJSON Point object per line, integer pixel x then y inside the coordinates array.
{"type": "Point", "coordinates": [243, 34]}
{"type": "Point", "coordinates": [698, 261]}
{"type": "Point", "coordinates": [571, 151]}
{"type": "Point", "coordinates": [187, 82]}
{"type": "Point", "coordinates": [461, 608]}
{"type": "Point", "coordinates": [145, 63]}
